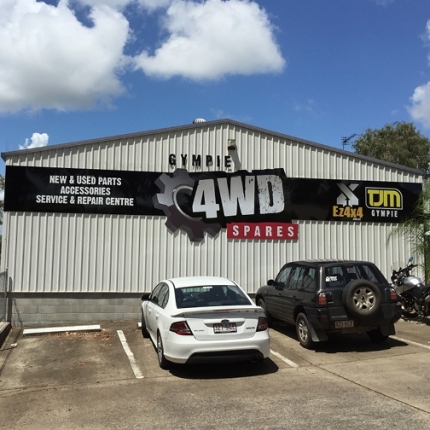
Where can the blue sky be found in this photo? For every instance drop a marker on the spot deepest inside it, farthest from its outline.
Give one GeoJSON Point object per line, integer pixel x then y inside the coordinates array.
{"type": "Point", "coordinates": [315, 69]}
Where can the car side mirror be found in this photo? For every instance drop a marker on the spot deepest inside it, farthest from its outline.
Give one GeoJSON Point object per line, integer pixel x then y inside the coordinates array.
{"type": "Point", "coordinates": [277, 285]}
{"type": "Point", "coordinates": [145, 297]}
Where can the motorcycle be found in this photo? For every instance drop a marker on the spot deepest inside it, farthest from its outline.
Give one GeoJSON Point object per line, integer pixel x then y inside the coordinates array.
{"type": "Point", "coordinates": [414, 295]}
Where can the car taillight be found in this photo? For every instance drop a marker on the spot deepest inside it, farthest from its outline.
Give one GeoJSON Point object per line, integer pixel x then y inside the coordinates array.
{"type": "Point", "coordinates": [262, 324]}
{"type": "Point", "coordinates": [393, 295]}
{"type": "Point", "coordinates": [181, 328]}
{"type": "Point", "coordinates": [322, 299]}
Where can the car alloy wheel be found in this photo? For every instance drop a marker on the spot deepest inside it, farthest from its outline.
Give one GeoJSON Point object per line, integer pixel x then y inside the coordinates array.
{"type": "Point", "coordinates": [362, 298]}
{"type": "Point", "coordinates": [145, 332]}
{"type": "Point", "coordinates": [163, 363]}
{"type": "Point", "coordinates": [304, 331]}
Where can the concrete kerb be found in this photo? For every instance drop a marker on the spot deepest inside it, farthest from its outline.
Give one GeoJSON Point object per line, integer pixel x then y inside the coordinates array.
{"type": "Point", "coordinates": [47, 330]}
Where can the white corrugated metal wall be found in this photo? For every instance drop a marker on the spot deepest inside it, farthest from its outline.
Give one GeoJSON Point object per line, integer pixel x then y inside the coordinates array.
{"type": "Point", "coordinates": [47, 252]}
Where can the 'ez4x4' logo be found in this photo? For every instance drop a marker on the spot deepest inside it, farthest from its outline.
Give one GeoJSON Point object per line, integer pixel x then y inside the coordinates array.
{"type": "Point", "coordinates": [347, 203]}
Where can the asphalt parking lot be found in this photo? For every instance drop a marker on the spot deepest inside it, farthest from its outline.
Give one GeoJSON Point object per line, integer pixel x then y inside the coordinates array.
{"type": "Point", "coordinates": [110, 379]}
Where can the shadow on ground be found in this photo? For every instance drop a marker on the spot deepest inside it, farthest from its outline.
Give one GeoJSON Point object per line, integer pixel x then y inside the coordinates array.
{"type": "Point", "coordinates": [223, 371]}
{"type": "Point", "coordinates": [340, 342]}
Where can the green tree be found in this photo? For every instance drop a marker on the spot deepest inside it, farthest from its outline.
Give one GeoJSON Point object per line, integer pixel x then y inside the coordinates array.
{"type": "Point", "coordinates": [398, 143]}
{"type": "Point", "coordinates": [416, 231]}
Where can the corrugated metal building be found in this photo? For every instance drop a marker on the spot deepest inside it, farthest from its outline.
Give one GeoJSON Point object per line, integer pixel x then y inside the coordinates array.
{"type": "Point", "coordinates": [89, 226]}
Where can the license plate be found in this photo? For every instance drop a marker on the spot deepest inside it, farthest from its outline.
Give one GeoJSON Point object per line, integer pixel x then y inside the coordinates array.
{"type": "Point", "coordinates": [343, 324]}
{"type": "Point", "coordinates": [225, 328]}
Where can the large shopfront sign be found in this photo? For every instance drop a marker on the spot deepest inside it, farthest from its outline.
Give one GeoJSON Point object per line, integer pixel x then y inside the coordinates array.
{"type": "Point", "coordinates": [264, 202]}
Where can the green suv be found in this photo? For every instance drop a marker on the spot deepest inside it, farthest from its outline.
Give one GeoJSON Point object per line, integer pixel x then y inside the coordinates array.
{"type": "Point", "coordinates": [331, 296]}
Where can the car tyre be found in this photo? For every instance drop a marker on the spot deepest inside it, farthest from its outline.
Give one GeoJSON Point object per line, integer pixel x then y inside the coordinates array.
{"type": "Point", "coordinates": [377, 336]}
{"type": "Point", "coordinates": [162, 362]}
{"type": "Point", "coordinates": [362, 298]}
{"type": "Point", "coordinates": [145, 332]}
{"type": "Point", "coordinates": [269, 317]}
{"type": "Point", "coordinates": [303, 329]}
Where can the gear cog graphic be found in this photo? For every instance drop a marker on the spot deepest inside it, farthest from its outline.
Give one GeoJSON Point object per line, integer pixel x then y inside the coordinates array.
{"type": "Point", "coordinates": [170, 187]}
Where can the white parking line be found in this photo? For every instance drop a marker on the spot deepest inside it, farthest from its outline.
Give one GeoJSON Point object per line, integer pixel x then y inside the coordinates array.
{"type": "Point", "coordinates": [410, 342]}
{"type": "Point", "coordinates": [130, 355]}
{"type": "Point", "coordinates": [284, 359]}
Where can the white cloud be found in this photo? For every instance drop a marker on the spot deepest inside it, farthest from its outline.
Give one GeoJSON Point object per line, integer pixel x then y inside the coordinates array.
{"type": "Point", "coordinates": [307, 106]}
{"type": "Point", "coordinates": [211, 39]}
{"type": "Point", "coordinates": [420, 108]}
{"type": "Point", "coordinates": [37, 140]}
{"type": "Point", "coordinates": [50, 60]}
{"type": "Point", "coordinates": [121, 4]}
{"type": "Point", "coordinates": [384, 2]}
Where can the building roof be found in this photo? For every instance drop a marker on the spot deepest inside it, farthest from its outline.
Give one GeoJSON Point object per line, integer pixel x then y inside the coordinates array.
{"type": "Point", "coordinates": [206, 124]}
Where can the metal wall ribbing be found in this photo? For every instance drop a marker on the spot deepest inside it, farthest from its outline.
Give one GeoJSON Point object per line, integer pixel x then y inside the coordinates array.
{"type": "Point", "coordinates": [150, 152]}
{"type": "Point", "coordinates": [53, 252]}
{"type": "Point", "coordinates": [116, 253]}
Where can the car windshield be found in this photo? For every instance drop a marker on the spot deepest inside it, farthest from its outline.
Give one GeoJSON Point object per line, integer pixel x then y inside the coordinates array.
{"type": "Point", "coordinates": [210, 295]}
{"type": "Point", "coordinates": [339, 276]}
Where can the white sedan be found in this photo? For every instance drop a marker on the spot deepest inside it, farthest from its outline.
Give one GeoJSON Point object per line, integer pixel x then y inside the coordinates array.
{"type": "Point", "coordinates": [204, 319]}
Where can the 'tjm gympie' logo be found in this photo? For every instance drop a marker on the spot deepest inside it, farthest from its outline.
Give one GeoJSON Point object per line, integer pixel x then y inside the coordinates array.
{"type": "Point", "coordinates": [385, 198]}
{"type": "Point", "coordinates": [384, 202]}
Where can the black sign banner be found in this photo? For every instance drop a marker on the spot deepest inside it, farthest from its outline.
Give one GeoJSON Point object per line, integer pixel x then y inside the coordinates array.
{"type": "Point", "coordinates": [210, 199]}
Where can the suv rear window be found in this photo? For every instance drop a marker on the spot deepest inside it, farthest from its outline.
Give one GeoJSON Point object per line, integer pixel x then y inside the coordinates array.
{"type": "Point", "coordinates": [339, 276]}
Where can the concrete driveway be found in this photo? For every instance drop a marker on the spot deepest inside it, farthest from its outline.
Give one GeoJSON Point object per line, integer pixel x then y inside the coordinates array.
{"type": "Point", "coordinates": [111, 380]}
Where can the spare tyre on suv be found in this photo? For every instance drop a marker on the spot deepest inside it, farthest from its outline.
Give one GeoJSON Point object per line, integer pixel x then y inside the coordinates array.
{"type": "Point", "coordinates": [331, 296]}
